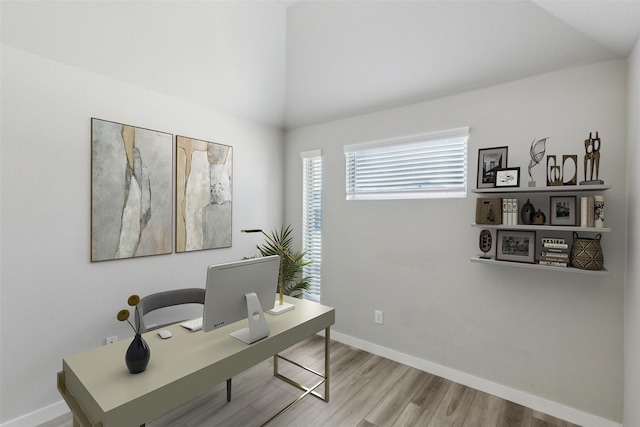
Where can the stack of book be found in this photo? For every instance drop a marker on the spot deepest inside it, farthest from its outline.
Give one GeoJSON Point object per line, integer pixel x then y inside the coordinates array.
{"type": "Point", "coordinates": [555, 252]}
{"type": "Point", "coordinates": [509, 211]}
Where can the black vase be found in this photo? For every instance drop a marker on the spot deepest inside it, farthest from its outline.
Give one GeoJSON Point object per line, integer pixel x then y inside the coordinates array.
{"type": "Point", "coordinates": [138, 355]}
{"type": "Point", "coordinates": [527, 212]}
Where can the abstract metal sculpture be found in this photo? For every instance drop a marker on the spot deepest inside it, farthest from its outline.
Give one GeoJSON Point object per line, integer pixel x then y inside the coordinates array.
{"type": "Point", "coordinates": [537, 154]}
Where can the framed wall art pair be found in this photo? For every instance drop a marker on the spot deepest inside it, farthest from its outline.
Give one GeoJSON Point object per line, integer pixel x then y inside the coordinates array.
{"type": "Point", "coordinates": [132, 199]}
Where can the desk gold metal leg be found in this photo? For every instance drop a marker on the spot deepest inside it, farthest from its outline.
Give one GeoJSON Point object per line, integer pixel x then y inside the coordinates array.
{"type": "Point", "coordinates": [307, 390]}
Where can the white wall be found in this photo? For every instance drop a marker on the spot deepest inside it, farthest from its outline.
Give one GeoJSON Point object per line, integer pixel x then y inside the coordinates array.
{"type": "Point", "coordinates": [554, 335]}
{"type": "Point", "coordinates": [55, 302]}
{"type": "Point", "coordinates": [632, 297]}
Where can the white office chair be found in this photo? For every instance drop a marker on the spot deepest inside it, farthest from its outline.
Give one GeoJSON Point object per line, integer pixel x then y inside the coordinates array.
{"type": "Point", "coordinates": [165, 299]}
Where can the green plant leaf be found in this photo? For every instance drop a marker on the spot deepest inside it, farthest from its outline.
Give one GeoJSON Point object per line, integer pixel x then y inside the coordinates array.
{"type": "Point", "coordinates": [294, 282]}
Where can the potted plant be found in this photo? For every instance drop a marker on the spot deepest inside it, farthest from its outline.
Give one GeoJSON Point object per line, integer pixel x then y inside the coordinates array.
{"type": "Point", "coordinates": [292, 263]}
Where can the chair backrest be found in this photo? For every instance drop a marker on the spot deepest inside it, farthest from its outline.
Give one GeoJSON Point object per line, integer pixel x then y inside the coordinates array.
{"type": "Point", "coordinates": [164, 299]}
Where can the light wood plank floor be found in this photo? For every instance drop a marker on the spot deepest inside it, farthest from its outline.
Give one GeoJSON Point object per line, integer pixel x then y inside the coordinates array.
{"type": "Point", "coordinates": [366, 391]}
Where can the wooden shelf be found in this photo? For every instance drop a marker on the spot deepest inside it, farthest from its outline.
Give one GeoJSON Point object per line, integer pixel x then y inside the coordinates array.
{"type": "Point", "coordinates": [543, 228]}
{"type": "Point", "coordinates": [554, 189]}
{"type": "Point", "coordinates": [493, 261]}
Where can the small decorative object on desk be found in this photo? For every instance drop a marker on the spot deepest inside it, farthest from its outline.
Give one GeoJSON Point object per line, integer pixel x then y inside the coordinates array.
{"type": "Point", "coordinates": [537, 154]}
{"type": "Point", "coordinates": [485, 243]}
{"type": "Point", "coordinates": [592, 158]}
{"type": "Point", "coordinates": [586, 253]}
{"type": "Point", "coordinates": [138, 354]}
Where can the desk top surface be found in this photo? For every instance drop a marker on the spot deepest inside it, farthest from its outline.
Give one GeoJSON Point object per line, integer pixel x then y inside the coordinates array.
{"type": "Point", "coordinates": [188, 363]}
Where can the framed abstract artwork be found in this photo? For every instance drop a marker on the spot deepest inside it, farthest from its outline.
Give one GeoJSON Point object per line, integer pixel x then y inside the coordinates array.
{"type": "Point", "coordinates": [204, 194]}
{"type": "Point", "coordinates": [131, 191]}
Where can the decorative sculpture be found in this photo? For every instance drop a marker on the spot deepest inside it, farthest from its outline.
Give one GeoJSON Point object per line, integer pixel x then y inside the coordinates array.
{"type": "Point", "coordinates": [485, 243]}
{"type": "Point", "coordinates": [537, 154]}
{"type": "Point", "coordinates": [527, 212]}
{"type": "Point", "coordinates": [556, 173]}
{"type": "Point", "coordinates": [567, 159]}
{"type": "Point", "coordinates": [592, 158]}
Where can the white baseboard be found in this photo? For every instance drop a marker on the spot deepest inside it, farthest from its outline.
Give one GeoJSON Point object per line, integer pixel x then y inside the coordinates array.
{"type": "Point", "coordinates": [40, 416]}
{"type": "Point", "coordinates": [534, 402]}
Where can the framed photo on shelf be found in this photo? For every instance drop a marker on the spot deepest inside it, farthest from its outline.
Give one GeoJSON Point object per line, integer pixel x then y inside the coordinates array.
{"type": "Point", "coordinates": [489, 160]}
{"type": "Point", "coordinates": [516, 246]}
{"type": "Point", "coordinates": [562, 211]}
{"type": "Point", "coordinates": [507, 177]}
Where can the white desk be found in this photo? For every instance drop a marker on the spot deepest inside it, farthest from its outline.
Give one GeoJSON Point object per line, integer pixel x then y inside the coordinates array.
{"type": "Point", "coordinates": [101, 392]}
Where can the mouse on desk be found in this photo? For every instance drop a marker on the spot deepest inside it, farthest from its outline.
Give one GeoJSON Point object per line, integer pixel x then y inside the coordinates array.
{"type": "Point", "coordinates": [164, 334]}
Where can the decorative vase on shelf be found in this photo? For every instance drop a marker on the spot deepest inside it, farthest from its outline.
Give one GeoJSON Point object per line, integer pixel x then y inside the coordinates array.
{"type": "Point", "coordinates": [138, 355]}
{"type": "Point", "coordinates": [527, 212]}
{"type": "Point", "coordinates": [539, 218]}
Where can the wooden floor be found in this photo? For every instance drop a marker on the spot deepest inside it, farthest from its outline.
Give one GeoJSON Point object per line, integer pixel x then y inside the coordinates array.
{"type": "Point", "coordinates": [366, 391]}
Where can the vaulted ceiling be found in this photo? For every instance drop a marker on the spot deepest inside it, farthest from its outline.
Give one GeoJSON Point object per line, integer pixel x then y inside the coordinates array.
{"type": "Point", "coordinates": [294, 63]}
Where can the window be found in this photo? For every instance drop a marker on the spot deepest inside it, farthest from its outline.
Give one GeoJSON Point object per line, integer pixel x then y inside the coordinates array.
{"type": "Point", "coordinates": [420, 166]}
{"type": "Point", "coordinates": [312, 220]}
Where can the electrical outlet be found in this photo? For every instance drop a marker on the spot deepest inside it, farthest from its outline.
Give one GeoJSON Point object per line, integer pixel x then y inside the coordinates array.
{"type": "Point", "coordinates": [110, 340]}
{"type": "Point", "coordinates": [378, 316]}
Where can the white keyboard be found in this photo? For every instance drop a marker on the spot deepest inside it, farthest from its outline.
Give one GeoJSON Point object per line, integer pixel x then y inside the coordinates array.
{"type": "Point", "coordinates": [193, 324]}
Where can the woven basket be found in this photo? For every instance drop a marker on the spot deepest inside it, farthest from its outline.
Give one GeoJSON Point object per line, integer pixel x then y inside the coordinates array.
{"type": "Point", "coordinates": [586, 254]}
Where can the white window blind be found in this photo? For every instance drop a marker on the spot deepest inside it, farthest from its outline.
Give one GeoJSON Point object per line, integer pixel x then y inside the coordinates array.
{"type": "Point", "coordinates": [420, 166]}
{"type": "Point", "coordinates": [312, 220]}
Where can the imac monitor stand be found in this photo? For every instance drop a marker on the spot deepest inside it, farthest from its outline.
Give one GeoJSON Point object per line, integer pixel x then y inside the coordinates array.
{"type": "Point", "coordinates": [241, 290]}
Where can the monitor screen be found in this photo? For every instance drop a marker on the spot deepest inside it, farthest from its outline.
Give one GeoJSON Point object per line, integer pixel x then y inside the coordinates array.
{"type": "Point", "coordinates": [228, 283]}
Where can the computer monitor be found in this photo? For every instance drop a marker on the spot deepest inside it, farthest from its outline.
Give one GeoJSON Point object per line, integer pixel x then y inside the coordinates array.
{"type": "Point", "coordinates": [241, 290]}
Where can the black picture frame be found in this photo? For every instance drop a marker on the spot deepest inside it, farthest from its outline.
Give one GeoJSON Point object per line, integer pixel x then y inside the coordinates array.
{"type": "Point", "coordinates": [507, 178]}
{"type": "Point", "coordinates": [490, 159]}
